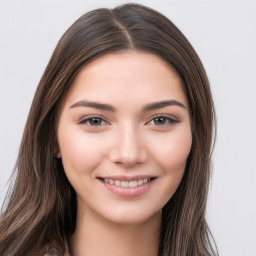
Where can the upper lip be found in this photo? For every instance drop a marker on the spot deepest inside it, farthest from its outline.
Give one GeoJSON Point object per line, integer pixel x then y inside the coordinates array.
{"type": "Point", "coordinates": [127, 178]}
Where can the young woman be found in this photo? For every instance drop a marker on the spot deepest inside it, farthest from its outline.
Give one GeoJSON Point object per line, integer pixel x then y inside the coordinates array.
{"type": "Point", "coordinates": [115, 157]}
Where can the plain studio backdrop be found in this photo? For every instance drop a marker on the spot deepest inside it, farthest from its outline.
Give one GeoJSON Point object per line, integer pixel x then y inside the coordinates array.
{"type": "Point", "coordinates": [224, 35]}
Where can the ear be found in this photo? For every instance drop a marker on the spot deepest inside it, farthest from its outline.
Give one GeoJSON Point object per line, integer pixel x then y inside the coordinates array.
{"type": "Point", "coordinates": [57, 153]}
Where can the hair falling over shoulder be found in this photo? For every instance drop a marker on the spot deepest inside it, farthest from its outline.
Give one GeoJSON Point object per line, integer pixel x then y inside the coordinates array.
{"type": "Point", "coordinates": [39, 213]}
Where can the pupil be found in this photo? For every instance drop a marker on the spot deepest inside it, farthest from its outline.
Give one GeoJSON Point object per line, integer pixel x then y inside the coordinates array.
{"type": "Point", "coordinates": [160, 120]}
{"type": "Point", "coordinates": [95, 121]}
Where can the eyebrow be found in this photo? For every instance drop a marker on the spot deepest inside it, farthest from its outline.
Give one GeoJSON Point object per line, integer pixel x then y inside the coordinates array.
{"type": "Point", "coordinates": [107, 107]}
{"type": "Point", "coordinates": [162, 104]}
{"type": "Point", "coordinates": [91, 104]}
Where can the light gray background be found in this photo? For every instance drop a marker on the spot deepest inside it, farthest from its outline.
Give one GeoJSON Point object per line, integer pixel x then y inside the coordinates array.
{"type": "Point", "coordinates": [224, 35]}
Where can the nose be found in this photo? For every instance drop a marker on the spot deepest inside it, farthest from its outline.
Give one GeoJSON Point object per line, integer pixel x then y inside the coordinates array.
{"type": "Point", "coordinates": [127, 147]}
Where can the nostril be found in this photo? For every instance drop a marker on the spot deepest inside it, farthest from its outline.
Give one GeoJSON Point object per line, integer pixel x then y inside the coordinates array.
{"type": "Point", "coordinates": [121, 156]}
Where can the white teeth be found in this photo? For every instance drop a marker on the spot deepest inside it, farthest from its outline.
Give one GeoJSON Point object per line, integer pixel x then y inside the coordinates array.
{"type": "Point", "coordinates": [126, 184]}
{"type": "Point", "coordinates": [140, 182]}
{"type": "Point", "coordinates": [117, 182]}
{"type": "Point", "coordinates": [133, 183]}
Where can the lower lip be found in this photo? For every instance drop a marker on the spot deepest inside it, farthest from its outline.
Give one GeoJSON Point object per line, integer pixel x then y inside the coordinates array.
{"type": "Point", "coordinates": [129, 192]}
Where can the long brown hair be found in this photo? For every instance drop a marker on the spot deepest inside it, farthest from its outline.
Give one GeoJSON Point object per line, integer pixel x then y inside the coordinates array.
{"type": "Point", "coordinates": [40, 210]}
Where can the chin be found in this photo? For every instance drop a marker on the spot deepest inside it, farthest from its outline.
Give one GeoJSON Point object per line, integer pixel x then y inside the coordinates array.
{"type": "Point", "coordinates": [133, 217]}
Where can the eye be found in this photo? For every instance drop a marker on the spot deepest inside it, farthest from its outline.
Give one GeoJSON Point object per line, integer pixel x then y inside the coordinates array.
{"type": "Point", "coordinates": [93, 121]}
{"type": "Point", "coordinates": [162, 121]}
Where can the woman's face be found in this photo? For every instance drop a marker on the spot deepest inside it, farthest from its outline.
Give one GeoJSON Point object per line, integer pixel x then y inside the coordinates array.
{"type": "Point", "coordinates": [124, 136]}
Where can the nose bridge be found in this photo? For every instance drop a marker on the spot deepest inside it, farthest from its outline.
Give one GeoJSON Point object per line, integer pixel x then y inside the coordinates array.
{"type": "Point", "coordinates": [128, 147]}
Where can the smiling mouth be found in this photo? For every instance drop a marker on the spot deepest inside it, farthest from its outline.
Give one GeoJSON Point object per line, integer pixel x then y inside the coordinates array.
{"type": "Point", "coordinates": [127, 184]}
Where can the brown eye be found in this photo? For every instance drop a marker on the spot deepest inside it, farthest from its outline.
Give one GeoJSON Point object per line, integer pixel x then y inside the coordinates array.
{"type": "Point", "coordinates": [93, 121]}
{"type": "Point", "coordinates": [162, 121]}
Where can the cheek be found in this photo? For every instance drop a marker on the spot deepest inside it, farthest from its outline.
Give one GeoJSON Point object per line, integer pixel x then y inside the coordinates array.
{"type": "Point", "coordinates": [172, 150]}
{"type": "Point", "coordinates": [80, 153]}
{"type": "Point", "coordinates": [171, 155]}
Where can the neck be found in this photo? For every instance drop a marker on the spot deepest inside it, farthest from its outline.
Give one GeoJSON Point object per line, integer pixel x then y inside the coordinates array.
{"type": "Point", "coordinates": [97, 237]}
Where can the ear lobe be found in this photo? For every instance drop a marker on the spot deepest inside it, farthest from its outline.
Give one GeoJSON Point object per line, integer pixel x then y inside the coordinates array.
{"type": "Point", "coordinates": [57, 153]}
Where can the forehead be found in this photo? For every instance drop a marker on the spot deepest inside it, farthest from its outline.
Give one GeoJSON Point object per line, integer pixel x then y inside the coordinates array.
{"type": "Point", "coordinates": [134, 76]}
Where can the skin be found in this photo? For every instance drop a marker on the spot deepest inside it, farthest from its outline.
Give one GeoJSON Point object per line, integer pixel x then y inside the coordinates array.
{"type": "Point", "coordinates": [128, 141]}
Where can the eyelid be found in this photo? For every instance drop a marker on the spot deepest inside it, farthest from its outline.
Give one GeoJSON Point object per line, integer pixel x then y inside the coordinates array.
{"type": "Point", "coordinates": [172, 120]}
{"type": "Point", "coordinates": [84, 119]}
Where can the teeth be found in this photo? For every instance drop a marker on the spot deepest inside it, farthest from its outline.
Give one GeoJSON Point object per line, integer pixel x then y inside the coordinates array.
{"type": "Point", "coordinates": [117, 182]}
{"type": "Point", "coordinates": [133, 183]}
{"type": "Point", "coordinates": [140, 182]}
{"type": "Point", "coordinates": [126, 184]}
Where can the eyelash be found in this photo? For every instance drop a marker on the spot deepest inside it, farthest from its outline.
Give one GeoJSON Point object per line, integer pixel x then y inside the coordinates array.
{"type": "Point", "coordinates": [90, 118]}
{"type": "Point", "coordinates": [168, 121]}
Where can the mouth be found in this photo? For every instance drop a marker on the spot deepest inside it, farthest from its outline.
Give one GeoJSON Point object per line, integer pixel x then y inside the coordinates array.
{"type": "Point", "coordinates": [131, 183]}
